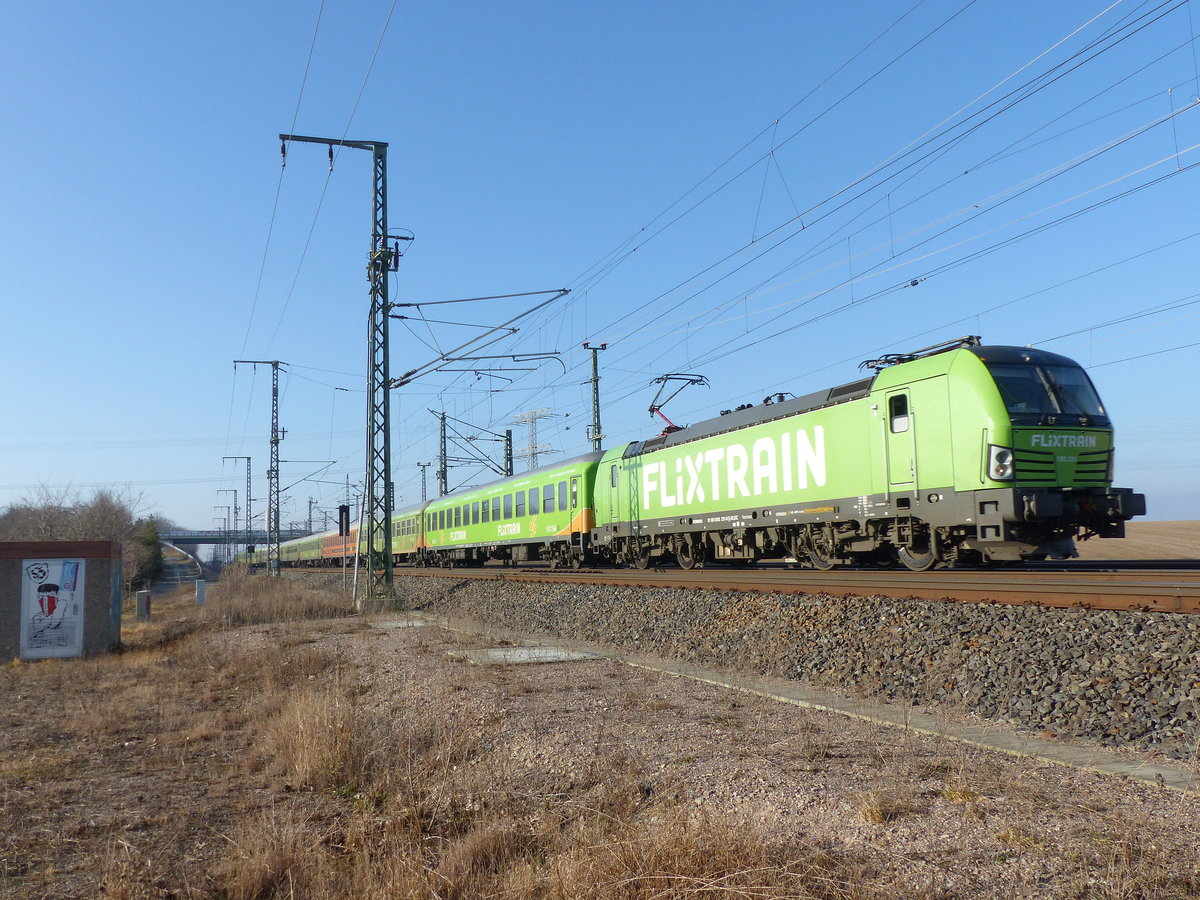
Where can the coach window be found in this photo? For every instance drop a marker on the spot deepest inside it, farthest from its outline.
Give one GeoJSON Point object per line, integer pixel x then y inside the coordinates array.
{"type": "Point", "coordinates": [466, 514]}
{"type": "Point", "coordinates": [548, 498]}
{"type": "Point", "coordinates": [533, 501]}
{"type": "Point", "coordinates": [475, 513]}
{"type": "Point", "coordinates": [520, 498]}
{"type": "Point", "coordinates": [458, 517]}
{"type": "Point", "coordinates": [508, 514]}
{"type": "Point", "coordinates": [898, 413]}
{"type": "Point", "coordinates": [562, 495]}
{"type": "Point", "coordinates": [487, 512]}
{"type": "Point", "coordinates": [495, 509]}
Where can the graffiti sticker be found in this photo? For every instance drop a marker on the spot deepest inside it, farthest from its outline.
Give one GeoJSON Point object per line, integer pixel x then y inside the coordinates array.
{"type": "Point", "coordinates": [52, 608]}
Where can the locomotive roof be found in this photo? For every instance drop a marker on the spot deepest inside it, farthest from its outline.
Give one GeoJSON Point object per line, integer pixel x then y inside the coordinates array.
{"type": "Point", "coordinates": [754, 415]}
{"type": "Point", "coordinates": [854, 390]}
{"type": "Point", "coordinates": [1020, 355]}
{"type": "Point", "coordinates": [452, 499]}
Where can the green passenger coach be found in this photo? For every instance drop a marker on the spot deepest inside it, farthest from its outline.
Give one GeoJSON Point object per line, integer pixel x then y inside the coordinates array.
{"type": "Point", "coordinates": [543, 514]}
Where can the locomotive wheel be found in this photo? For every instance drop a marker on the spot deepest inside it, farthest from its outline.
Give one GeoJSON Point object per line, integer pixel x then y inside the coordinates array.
{"type": "Point", "coordinates": [685, 553]}
{"type": "Point", "coordinates": [819, 561]}
{"type": "Point", "coordinates": [820, 550]}
{"type": "Point", "coordinates": [917, 562]}
{"type": "Point", "coordinates": [640, 558]}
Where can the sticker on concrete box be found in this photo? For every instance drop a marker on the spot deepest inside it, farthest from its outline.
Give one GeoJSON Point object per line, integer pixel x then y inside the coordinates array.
{"type": "Point", "coordinates": [51, 608]}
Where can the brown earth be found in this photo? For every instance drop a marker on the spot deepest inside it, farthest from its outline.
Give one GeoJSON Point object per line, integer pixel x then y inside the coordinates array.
{"type": "Point", "coordinates": [1147, 540]}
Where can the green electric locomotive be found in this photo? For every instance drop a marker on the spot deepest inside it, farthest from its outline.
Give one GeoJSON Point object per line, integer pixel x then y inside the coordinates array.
{"type": "Point", "coordinates": [958, 453]}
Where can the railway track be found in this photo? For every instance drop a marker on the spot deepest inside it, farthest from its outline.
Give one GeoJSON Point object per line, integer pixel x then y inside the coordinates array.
{"type": "Point", "coordinates": [1109, 585]}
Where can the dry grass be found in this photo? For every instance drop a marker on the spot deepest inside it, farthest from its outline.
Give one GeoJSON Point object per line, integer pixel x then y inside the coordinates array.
{"type": "Point", "coordinates": [880, 806]}
{"type": "Point", "coordinates": [240, 598]}
{"type": "Point", "coordinates": [418, 803]}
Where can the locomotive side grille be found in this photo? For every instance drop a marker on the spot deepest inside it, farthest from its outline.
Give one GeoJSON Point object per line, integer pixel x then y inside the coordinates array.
{"type": "Point", "coordinates": [1035, 467]}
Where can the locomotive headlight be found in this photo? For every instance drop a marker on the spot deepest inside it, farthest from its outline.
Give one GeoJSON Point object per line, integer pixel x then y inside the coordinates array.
{"type": "Point", "coordinates": [1000, 463]}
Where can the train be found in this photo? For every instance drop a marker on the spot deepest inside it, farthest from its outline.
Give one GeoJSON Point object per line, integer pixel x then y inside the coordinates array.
{"type": "Point", "coordinates": [960, 454]}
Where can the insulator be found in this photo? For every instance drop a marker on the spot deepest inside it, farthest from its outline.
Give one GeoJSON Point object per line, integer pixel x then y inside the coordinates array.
{"type": "Point", "coordinates": [331, 157]}
{"type": "Point", "coordinates": [283, 153]}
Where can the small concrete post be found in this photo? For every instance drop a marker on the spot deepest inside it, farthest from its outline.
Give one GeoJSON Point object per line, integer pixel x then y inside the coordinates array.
{"type": "Point", "coordinates": [143, 606]}
{"type": "Point", "coordinates": [200, 591]}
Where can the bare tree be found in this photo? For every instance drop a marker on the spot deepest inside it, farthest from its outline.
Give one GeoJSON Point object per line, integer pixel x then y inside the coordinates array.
{"type": "Point", "coordinates": [61, 515]}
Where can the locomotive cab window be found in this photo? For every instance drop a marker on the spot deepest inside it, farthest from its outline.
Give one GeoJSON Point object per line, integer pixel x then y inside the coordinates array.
{"type": "Point", "coordinates": [898, 413]}
{"type": "Point", "coordinates": [1048, 394]}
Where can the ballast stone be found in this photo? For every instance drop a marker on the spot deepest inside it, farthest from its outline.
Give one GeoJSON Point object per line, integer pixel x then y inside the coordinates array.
{"type": "Point", "coordinates": [1118, 677]}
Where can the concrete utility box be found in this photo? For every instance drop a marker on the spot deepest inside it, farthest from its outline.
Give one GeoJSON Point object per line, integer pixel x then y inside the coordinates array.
{"type": "Point", "coordinates": [59, 598]}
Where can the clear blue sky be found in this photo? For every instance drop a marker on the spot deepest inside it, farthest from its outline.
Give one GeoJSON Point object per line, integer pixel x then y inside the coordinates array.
{"type": "Point", "coordinates": [529, 141]}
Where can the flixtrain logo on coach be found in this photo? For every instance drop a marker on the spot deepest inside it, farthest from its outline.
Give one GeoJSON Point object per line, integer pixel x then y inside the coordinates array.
{"type": "Point", "coordinates": [788, 462]}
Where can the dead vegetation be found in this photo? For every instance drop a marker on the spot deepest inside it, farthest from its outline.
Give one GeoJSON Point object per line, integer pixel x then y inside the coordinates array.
{"type": "Point", "coordinates": [323, 758]}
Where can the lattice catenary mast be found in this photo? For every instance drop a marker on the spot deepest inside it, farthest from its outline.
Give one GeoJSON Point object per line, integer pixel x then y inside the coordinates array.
{"type": "Point", "coordinates": [273, 469]}
{"type": "Point", "coordinates": [383, 259]}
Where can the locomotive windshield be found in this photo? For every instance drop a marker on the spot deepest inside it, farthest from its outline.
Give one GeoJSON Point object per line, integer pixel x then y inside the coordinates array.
{"type": "Point", "coordinates": [1048, 394]}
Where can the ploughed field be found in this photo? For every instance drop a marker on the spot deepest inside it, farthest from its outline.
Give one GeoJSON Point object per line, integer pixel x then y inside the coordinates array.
{"type": "Point", "coordinates": [1147, 540]}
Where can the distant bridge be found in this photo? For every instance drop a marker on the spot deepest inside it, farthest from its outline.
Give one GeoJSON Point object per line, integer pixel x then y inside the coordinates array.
{"type": "Point", "coordinates": [222, 536]}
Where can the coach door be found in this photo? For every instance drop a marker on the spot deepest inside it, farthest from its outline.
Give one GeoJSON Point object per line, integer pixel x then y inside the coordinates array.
{"type": "Point", "coordinates": [898, 438]}
{"type": "Point", "coordinates": [573, 502]}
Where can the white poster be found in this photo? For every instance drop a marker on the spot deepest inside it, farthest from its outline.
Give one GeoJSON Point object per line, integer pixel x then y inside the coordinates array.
{"type": "Point", "coordinates": [51, 608]}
